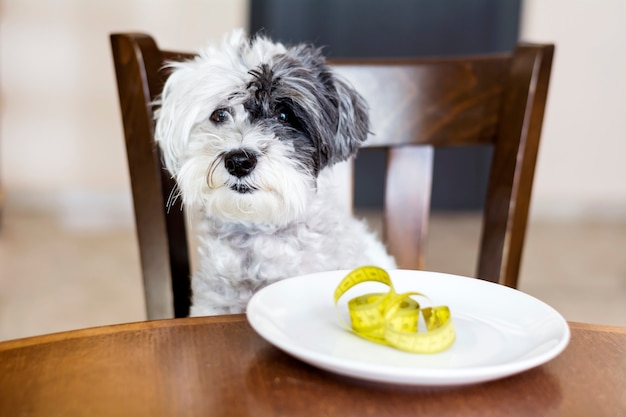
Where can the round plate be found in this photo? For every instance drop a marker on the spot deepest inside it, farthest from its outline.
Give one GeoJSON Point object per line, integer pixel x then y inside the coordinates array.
{"type": "Point", "coordinates": [500, 331]}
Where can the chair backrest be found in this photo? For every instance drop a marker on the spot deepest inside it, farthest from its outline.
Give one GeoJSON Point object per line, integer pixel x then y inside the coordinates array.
{"type": "Point", "coordinates": [467, 101]}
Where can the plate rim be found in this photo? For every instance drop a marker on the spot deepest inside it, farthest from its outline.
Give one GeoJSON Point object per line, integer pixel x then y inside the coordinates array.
{"type": "Point", "coordinates": [407, 376]}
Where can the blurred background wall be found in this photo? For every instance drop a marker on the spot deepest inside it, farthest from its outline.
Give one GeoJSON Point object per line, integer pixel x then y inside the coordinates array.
{"type": "Point", "coordinates": [581, 171]}
{"type": "Point", "coordinates": [61, 141]}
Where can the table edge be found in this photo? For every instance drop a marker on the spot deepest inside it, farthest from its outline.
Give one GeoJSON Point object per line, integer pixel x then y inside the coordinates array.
{"type": "Point", "coordinates": [193, 321]}
{"type": "Point", "coordinates": [596, 327]}
{"type": "Point", "coordinates": [117, 328]}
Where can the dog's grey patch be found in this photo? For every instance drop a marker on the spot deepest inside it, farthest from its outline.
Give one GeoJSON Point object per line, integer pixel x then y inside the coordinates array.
{"type": "Point", "coordinates": [301, 100]}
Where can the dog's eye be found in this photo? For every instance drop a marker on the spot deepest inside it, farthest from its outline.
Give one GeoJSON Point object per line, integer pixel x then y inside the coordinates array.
{"type": "Point", "coordinates": [282, 117]}
{"type": "Point", "coordinates": [285, 116]}
{"type": "Point", "coordinates": [219, 116]}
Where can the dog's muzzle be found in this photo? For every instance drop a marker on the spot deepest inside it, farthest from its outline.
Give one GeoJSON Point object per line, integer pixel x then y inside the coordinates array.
{"type": "Point", "coordinates": [240, 163]}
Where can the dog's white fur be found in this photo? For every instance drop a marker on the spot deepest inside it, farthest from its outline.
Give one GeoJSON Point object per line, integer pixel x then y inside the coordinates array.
{"type": "Point", "coordinates": [251, 131]}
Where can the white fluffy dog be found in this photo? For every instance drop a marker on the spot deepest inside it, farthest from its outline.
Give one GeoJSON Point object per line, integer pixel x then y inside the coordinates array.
{"type": "Point", "coordinates": [250, 130]}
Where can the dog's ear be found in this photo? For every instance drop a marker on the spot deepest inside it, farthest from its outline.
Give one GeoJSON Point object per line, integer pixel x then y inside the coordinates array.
{"type": "Point", "coordinates": [174, 116]}
{"type": "Point", "coordinates": [340, 124]}
{"type": "Point", "coordinates": [353, 124]}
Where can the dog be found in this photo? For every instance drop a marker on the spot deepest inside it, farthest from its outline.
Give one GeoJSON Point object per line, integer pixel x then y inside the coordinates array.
{"type": "Point", "coordinates": [251, 130]}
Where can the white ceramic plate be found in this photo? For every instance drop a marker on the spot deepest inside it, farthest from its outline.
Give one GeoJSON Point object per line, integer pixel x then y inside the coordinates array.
{"type": "Point", "coordinates": [499, 331]}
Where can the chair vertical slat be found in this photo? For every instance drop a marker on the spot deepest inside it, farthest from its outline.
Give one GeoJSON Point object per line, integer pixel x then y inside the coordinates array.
{"type": "Point", "coordinates": [162, 237]}
{"type": "Point", "coordinates": [514, 157]}
{"type": "Point", "coordinates": [408, 184]}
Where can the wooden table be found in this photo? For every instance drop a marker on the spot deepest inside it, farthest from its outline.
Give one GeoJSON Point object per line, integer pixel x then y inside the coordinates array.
{"type": "Point", "coordinates": [218, 366]}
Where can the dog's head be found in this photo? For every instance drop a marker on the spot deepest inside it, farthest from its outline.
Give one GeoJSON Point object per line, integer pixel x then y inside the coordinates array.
{"type": "Point", "coordinates": [247, 127]}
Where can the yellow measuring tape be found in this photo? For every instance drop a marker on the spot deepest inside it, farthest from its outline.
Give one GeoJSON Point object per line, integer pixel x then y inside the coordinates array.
{"type": "Point", "coordinates": [392, 319]}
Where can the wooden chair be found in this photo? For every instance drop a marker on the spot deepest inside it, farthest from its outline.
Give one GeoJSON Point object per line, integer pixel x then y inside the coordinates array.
{"type": "Point", "coordinates": [416, 105]}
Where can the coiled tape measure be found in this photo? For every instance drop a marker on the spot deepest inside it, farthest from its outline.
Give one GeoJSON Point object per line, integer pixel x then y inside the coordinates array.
{"type": "Point", "coordinates": [393, 319]}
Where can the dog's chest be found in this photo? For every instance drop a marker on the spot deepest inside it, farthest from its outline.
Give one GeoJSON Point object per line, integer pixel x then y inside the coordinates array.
{"type": "Point", "coordinates": [285, 247]}
{"type": "Point", "coordinates": [269, 256]}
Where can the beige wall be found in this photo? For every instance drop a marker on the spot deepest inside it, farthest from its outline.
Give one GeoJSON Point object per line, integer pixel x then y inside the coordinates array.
{"type": "Point", "coordinates": [582, 161]}
{"type": "Point", "coordinates": [61, 137]}
{"type": "Point", "coordinates": [61, 143]}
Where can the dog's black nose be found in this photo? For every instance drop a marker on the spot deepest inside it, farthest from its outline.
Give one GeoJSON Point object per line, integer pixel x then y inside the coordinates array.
{"type": "Point", "coordinates": [239, 162]}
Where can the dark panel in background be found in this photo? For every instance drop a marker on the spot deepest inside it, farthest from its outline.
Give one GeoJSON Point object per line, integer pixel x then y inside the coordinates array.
{"type": "Point", "coordinates": [400, 28]}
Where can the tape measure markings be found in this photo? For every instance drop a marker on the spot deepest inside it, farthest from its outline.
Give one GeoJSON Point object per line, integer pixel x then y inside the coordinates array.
{"type": "Point", "coordinates": [393, 319]}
